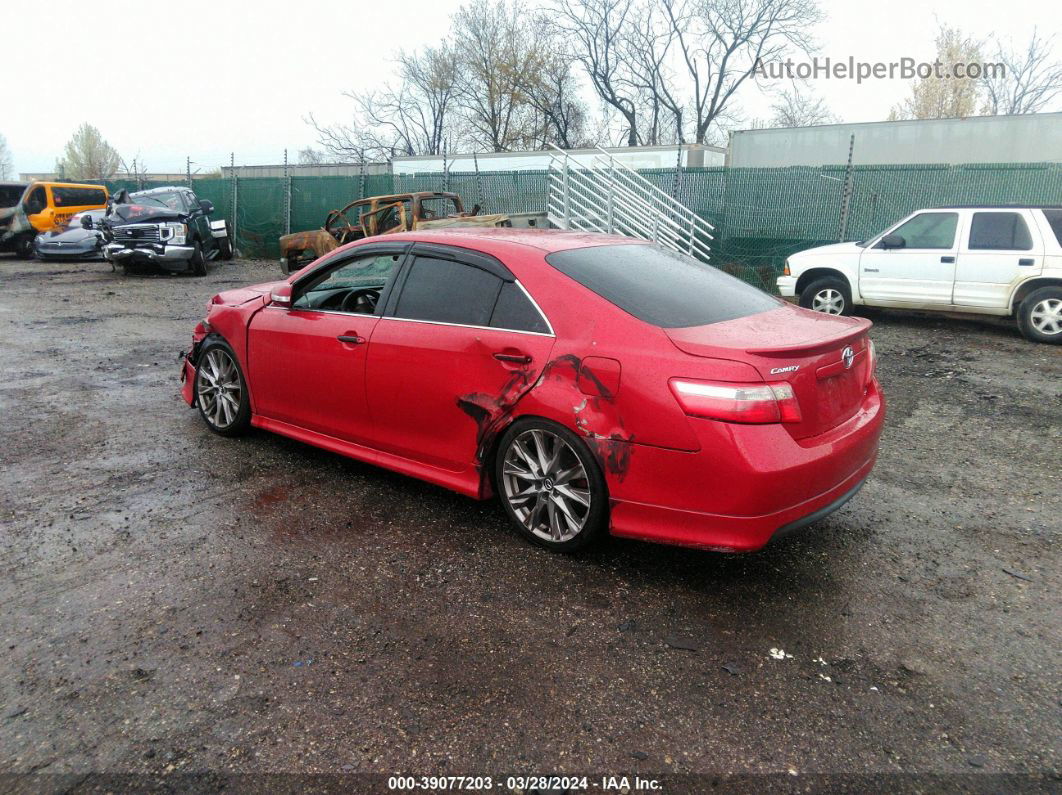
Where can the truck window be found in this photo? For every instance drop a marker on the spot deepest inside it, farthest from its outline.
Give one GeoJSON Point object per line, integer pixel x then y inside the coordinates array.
{"type": "Point", "coordinates": [37, 201]}
{"type": "Point", "coordinates": [437, 207]}
{"type": "Point", "coordinates": [929, 230]}
{"type": "Point", "coordinates": [1054, 217]}
{"type": "Point", "coordinates": [999, 232]}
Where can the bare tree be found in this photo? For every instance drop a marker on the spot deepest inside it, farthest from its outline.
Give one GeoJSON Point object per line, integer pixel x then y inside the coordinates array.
{"type": "Point", "coordinates": [498, 54]}
{"type": "Point", "coordinates": [722, 41]}
{"type": "Point", "coordinates": [6, 166]}
{"type": "Point", "coordinates": [408, 120]}
{"type": "Point", "coordinates": [945, 96]}
{"type": "Point", "coordinates": [311, 157]}
{"type": "Point", "coordinates": [598, 29]}
{"type": "Point", "coordinates": [1028, 80]}
{"type": "Point", "coordinates": [796, 108]}
{"type": "Point", "coordinates": [88, 156]}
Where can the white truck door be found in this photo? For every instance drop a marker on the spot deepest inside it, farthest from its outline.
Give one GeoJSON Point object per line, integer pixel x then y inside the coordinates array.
{"type": "Point", "coordinates": [998, 252]}
{"type": "Point", "coordinates": [922, 270]}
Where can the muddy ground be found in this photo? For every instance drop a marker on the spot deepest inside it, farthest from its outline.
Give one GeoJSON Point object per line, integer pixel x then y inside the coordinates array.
{"type": "Point", "coordinates": [174, 602]}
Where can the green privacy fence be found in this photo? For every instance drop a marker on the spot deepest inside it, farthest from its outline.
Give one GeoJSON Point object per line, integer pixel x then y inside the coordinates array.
{"type": "Point", "coordinates": [761, 215]}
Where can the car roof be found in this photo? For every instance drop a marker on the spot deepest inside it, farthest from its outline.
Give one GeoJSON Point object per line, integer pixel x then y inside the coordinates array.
{"type": "Point", "coordinates": [160, 189]}
{"type": "Point", "coordinates": [546, 240]}
{"type": "Point", "coordinates": [998, 207]}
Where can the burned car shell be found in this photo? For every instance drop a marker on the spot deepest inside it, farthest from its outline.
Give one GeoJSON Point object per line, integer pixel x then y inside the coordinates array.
{"type": "Point", "coordinates": [75, 241]}
{"type": "Point", "coordinates": [168, 227]}
{"type": "Point", "coordinates": [16, 232]}
{"type": "Point", "coordinates": [381, 215]}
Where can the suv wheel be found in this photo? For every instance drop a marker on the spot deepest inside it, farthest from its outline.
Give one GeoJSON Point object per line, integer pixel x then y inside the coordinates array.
{"type": "Point", "coordinates": [829, 295]}
{"type": "Point", "coordinates": [225, 248]}
{"type": "Point", "coordinates": [1040, 315]}
{"type": "Point", "coordinates": [550, 485]}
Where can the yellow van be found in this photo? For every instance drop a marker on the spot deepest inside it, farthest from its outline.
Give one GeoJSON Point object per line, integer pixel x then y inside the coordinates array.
{"type": "Point", "coordinates": [29, 210]}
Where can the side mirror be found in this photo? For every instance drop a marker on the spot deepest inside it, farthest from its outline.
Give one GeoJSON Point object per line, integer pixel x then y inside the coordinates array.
{"type": "Point", "coordinates": [281, 295]}
{"type": "Point", "coordinates": [86, 222]}
{"type": "Point", "coordinates": [893, 241]}
{"type": "Point", "coordinates": [206, 206]}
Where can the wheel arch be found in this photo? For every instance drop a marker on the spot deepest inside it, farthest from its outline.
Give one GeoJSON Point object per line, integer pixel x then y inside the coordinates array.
{"type": "Point", "coordinates": [811, 274]}
{"type": "Point", "coordinates": [1025, 288]}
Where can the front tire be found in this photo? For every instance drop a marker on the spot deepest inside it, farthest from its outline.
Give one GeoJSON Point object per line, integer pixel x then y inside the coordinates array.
{"type": "Point", "coordinates": [550, 485]}
{"type": "Point", "coordinates": [829, 295]}
{"type": "Point", "coordinates": [25, 249]}
{"type": "Point", "coordinates": [1040, 315]}
{"type": "Point", "coordinates": [225, 248]}
{"type": "Point", "coordinates": [198, 261]}
{"type": "Point", "coordinates": [221, 390]}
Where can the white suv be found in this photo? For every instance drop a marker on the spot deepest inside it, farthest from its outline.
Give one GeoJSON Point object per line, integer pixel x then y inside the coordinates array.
{"type": "Point", "coordinates": [988, 260]}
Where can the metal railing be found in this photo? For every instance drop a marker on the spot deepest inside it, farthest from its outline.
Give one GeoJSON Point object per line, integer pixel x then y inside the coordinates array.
{"type": "Point", "coordinates": [604, 195]}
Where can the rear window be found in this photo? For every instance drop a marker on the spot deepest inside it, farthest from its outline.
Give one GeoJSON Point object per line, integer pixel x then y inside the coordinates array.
{"type": "Point", "coordinates": [661, 287]}
{"type": "Point", "coordinates": [999, 232]}
{"type": "Point", "coordinates": [1054, 217]}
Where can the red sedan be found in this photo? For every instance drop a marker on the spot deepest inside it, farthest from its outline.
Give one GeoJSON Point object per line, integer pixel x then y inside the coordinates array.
{"type": "Point", "coordinates": [595, 384]}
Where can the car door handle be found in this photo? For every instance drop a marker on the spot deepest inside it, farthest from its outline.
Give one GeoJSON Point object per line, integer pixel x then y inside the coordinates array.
{"type": "Point", "coordinates": [1026, 261]}
{"type": "Point", "coordinates": [514, 358]}
{"type": "Point", "coordinates": [353, 339]}
{"type": "Point", "coordinates": [947, 259]}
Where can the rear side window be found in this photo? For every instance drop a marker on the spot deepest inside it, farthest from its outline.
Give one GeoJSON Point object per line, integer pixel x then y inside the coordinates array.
{"type": "Point", "coordinates": [999, 232]}
{"type": "Point", "coordinates": [443, 291]}
{"type": "Point", "coordinates": [661, 287]}
{"type": "Point", "coordinates": [1054, 217]}
{"type": "Point", "coordinates": [514, 311]}
{"type": "Point", "coordinates": [78, 197]}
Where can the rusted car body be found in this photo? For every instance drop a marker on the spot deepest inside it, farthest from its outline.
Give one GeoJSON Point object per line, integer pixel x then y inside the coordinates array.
{"type": "Point", "coordinates": [381, 215]}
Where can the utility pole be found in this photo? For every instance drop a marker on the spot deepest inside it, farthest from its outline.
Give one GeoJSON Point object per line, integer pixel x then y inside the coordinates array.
{"type": "Point", "coordinates": [846, 193]}
{"type": "Point", "coordinates": [287, 196]}
{"type": "Point", "coordinates": [188, 170]}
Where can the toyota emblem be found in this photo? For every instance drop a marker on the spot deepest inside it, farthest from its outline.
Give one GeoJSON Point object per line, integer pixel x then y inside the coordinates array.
{"type": "Point", "coordinates": [848, 356]}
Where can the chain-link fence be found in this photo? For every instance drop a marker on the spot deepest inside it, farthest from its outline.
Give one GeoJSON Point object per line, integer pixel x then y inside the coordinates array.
{"type": "Point", "coordinates": [761, 215]}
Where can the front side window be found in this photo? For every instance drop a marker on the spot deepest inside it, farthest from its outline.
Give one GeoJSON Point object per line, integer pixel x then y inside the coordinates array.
{"type": "Point", "coordinates": [929, 230]}
{"type": "Point", "coordinates": [37, 201]}
{"type": "Point", "coordinates": [999, 232]}
{"type": "Point", "coordinates": [354, 286]}
{"type": "Point", "coordinates": [443, 291]}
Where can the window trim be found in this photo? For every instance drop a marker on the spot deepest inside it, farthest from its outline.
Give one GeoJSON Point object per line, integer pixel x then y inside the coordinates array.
{"type": "Point", "coordinates": [472, 259]}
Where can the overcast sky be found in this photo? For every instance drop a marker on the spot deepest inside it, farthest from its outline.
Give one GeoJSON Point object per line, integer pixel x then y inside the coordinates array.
{"type": "Point", "coordinates": [201, 78]}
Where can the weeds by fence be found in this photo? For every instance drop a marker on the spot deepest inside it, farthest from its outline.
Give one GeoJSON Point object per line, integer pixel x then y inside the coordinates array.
{"type": "Point", "coordinates": [761, 215]}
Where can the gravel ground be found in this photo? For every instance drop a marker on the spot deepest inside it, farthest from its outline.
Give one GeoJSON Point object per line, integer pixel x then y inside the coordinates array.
{"type": "Point", "coordinates": [178, 603]}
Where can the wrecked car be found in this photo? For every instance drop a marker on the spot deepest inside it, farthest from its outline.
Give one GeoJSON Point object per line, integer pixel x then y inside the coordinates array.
{"type": "Point", "coordinates": [81, 238]}
{"type": "Point", "coordinates": [27, 210]}
{"type": "Point", "coordinates": [381, 215]}
{"type": "Point", "coordinates": [662, 400]}
{"type": "Point", "coordinates": [166, 227]}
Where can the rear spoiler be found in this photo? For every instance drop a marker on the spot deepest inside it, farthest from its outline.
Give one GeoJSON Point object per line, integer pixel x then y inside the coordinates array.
{"type": "Point", "coordinates": [811, 347]}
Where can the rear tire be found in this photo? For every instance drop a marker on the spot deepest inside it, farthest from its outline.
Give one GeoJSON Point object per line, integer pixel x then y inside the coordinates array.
{"type": "Point", "coordinates": [551, 485]}
{"type": "Point", "coordinates": [220, 389]}
{"type": "Point", "coordinates": [1040, 316]}
{"type": "Point", "coordinates": [829, 295]}
{"type": "Point", "coordinates": [198, 261]}
{"type": "Point", "coordinates": [225, 249]}
{"type": "Point", "coordinates": [25, 249]}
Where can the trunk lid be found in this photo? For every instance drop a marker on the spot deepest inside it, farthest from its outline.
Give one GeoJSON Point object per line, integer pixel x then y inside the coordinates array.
{"type": "Point", "coordinates": [806, 349]}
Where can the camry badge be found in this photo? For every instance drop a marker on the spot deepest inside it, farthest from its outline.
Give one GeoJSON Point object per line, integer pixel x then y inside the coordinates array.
{"type": "Point", "coordinates": [848, 356]}
{"type": "Point", "coordinates": [790, 369]}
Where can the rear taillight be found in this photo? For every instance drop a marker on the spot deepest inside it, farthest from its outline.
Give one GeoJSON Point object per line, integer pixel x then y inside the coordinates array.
{"type": "Point", "coordinates": [731, 402]}
{"type": "Point", "coordinates": [872, 360]}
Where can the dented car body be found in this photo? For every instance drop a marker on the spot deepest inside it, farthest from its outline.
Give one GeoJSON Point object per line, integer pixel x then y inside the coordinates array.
{"type": "Point", "coordinates": [380, 215]}
{"type": "Point", "coordinates": [585, 379]}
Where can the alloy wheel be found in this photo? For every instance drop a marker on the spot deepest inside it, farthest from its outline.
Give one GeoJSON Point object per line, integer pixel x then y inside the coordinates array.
{"type": "Point", "coordinates": [829, 301]}
{"type": "Point", "coordinates": [219, 390]}
{"type": "Point", "coordinates": [546, 485]}
{"type": "Point", "coordinates": [1046, 316]}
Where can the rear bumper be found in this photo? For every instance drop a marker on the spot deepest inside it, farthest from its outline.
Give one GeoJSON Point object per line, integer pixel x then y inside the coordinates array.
{"type": "Point", "coordinates": [786, 286]}
{"type": "Point", "coordinates": [747, 484]}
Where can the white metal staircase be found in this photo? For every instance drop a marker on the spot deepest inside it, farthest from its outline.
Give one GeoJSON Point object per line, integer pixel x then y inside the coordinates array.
{"type": "Point", "coordinates": [603, 195]}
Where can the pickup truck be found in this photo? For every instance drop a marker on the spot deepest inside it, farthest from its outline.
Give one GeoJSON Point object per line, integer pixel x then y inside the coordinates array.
{"type": "Point", "coordinates": [989, 260]}
{"type": "Point", "coordinates": [167, 227]}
